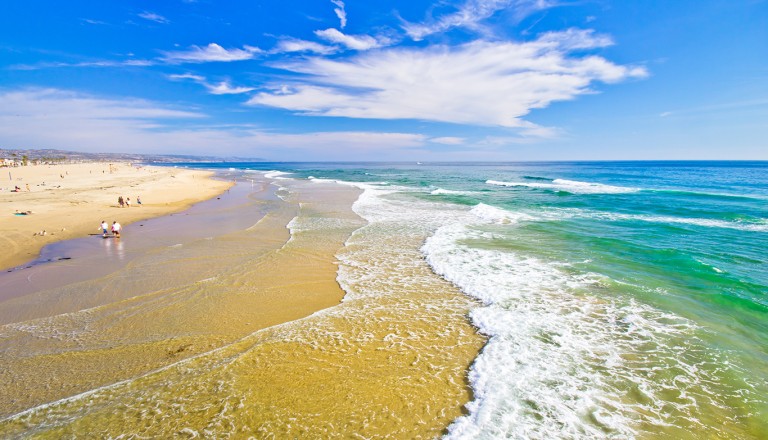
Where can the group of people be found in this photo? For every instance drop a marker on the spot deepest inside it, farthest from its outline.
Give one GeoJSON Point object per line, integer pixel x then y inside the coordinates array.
{"type": "Point", "coordinates": [126, 203]}
{"type": "Point", "coordinates": [115, 228]}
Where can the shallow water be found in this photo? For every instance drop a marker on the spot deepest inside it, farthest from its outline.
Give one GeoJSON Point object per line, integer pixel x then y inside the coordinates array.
{"type": "Point", "coordinates": [621, 300]}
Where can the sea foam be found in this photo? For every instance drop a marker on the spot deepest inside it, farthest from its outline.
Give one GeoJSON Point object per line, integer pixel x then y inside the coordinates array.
{"type": "Point", "coordinates": [755, 225]}
{"type": "Point", "coordinates": [276, 174]}
{"type": "Point", "coordinates": [442, 191]}
{"type": "Point", "coordinates": [571, 186]}
{"type": "Point", "coordinates": [556, 364]}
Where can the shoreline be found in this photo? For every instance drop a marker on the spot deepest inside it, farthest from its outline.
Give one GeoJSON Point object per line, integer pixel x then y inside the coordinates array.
{"type": "Point", "coordinates": [68, 201]}
{"type": "Point", "coordinates": [259, 313]}
{"type": "Point", "coordinates": [147, 306]}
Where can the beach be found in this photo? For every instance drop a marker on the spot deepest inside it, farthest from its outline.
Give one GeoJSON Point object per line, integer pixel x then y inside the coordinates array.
{"type": "Point", "coordinates": [70, 200]}
{"type": "Point", "coordinates": [323, 300]}
{"type": "Point", "coordinates": [239, 315]}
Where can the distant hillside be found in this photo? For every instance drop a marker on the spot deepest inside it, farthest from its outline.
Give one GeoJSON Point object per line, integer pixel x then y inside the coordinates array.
{"type": "Point", "coordinates": [50, 155]}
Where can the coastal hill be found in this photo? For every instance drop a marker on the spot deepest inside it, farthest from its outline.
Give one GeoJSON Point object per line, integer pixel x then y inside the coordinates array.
{"type": "Point", "coordinates": [15, 157]}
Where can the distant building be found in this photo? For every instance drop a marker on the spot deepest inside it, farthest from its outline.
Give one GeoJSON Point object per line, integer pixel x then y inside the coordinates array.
{"type": "Point", "coordinates": [9, 163]}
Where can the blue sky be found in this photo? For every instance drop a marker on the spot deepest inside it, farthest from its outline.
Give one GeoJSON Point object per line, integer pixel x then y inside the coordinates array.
{"type": "Point", "coordinates": [401, 80]}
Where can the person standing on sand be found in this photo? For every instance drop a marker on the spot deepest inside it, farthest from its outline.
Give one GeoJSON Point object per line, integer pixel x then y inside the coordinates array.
{"type": "Point", "coordinates": [138, 200]}
{"type": "Point", "coordinates": [120, 201]}
{"type": "Point", "coordinates": [116, 229]}
{"type": "Point", "coordinates": [127, 202]}
{"type": "Point", "coordinates": [104, 228]}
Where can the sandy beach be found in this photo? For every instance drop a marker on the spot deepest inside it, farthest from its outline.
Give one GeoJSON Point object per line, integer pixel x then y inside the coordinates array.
{"type": "Point", "coordinates": [70, 200]}
{"type": "Point", "coordinates": [231, 324]}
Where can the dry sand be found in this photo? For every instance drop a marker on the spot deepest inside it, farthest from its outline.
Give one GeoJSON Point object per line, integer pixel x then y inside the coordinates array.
{"type": "Point", "coordinates": [71, 200]}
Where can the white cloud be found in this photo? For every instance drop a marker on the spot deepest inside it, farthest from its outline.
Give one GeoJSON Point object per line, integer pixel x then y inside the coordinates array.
{"type": "Point", "coordinates": [355, 42]}
{"type": "Point", "coordinates": [340, 12]}
{"type": "Point", "coordinates": [210, 53]}
{"type": "Point", "coordinates": [448, 140]}
{"type": "Point", "coordinates": [470, 14]}
{"type": "Point", "coordinates": [100, 63]}
{"type": "Point", "coordinates": [95, 22]}
{"type": "Point", "coordinates": [59, 104]}
{"type": "Point", "coordinates": [573, 39]}
{"type": "Point", "coordinates": [288, 45]}
{"type": "Point", "coordinates": [479, 83]}
{"type": "Point", "coordinates": [151, 16]}
{"type": "Point", "coordinates": [196, 54]}
{"type": "Point", "coordinates": [222, 88]}
{"type": "Point", "coordinates": [196, 78]}
{"type": "Point", "coordinates": [48, 118]}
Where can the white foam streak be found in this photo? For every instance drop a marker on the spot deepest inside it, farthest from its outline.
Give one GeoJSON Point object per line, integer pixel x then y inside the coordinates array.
{"type": "Point", "coordinates": [492, 214]}
{"type": "Point", "coordinates": [292, 227]}
{"type": "Point", "coordinates": [278, 175]}
{"type": "Point", "coordinates": [442, 191]}
{"type": "Point", "coordinates": [709, 223]}
{"type": "Point", "coordinates": [761, 225]}
{"type": "Point", "coordinates": [571, 186]}
{"type": "Point", "coordinates": [496, 215]}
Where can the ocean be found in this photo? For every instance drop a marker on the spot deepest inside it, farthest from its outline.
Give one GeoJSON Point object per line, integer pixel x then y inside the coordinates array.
{"type": "Point", "coordinates": [620, 299]}
{"type": "Point", "coordinates": [613, 299]}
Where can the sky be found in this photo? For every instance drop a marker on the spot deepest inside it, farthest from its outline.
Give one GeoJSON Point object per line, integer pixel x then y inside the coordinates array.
{"type": "Point", "coordinates": [351, 80]}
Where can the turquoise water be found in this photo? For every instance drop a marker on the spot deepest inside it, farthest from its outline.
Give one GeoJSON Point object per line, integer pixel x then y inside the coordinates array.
{"type": "Point", "coordinates": [621, 299]}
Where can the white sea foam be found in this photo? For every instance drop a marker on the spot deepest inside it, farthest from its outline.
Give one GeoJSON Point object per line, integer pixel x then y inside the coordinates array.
{"type": "Point", "coordinates": [499, 216]}
{"type": "Point", "coordinates": [442, 191]}
{"type": "Point", "coordinates": [376, 260]}
{"type": "Point", "coordinates": [292, 227]}
{"type": "Point", "coordinates": [556, 364]}
{"type": "Point", "coordinates": [282, 192]}
{"type": "Point", "coordinates": [571, 186]}
{"type": "Point", "coordinates": [319, 180]}
{"type": "Point", "coordinates": [276, 174]}
{"type": "Point", "coordinates": [502, 216]}
{"type": "Point", "coordinates": [342, 182]}
{"type": "Point", "coordinates": [710, 223]}
{"type": "Point", "coordinates": [759, 225]}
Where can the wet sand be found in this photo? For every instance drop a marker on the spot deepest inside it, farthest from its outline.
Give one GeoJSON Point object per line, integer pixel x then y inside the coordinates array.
{"type": "Point", "coordinates": [235, 330]}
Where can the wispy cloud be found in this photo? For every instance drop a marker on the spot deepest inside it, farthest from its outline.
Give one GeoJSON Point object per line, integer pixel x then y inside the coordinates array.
{"type": "Point", "coordinates": [98, 63]}
{"type": "Point", "coordinates": [195, 54]}
{"type": "Point", "coordinates": [54, 103]}
{"type": "Point", "coordinates": [211, 53]}
{"type": "Point", "coordinates": [340, 12]}
{"type": "Point", "coordinates": [574, 39]}
{"type": "Point", "coordinates": [288, 45]}
{"type": "Point", "coordinates": [94, 22]}
{"type": "Point", "coordinates": [471, 13]}
{"type": "Point", "coordinates": [220, 88]}
{"type": "Point", "coordinates": [61, 119]}
{"type": "Point", "coordinates": [716, 108]}
{"type": "Point", "coordinates": [151, 16]}
{"type": "Point", "coordinates": [225, 88]}
{"type": "Point", "coordinates": [355, 42]}
{"type": "Point", "coordinates": [480, 83]}
{"type": "Point", "coordinates": [189, 76]}
{"type": "Point", "coordinates": [448, 140]}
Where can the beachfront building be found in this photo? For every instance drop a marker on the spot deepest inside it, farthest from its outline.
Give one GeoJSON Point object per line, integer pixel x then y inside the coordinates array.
{"type": "Point", "coordinates": [9, 163]}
